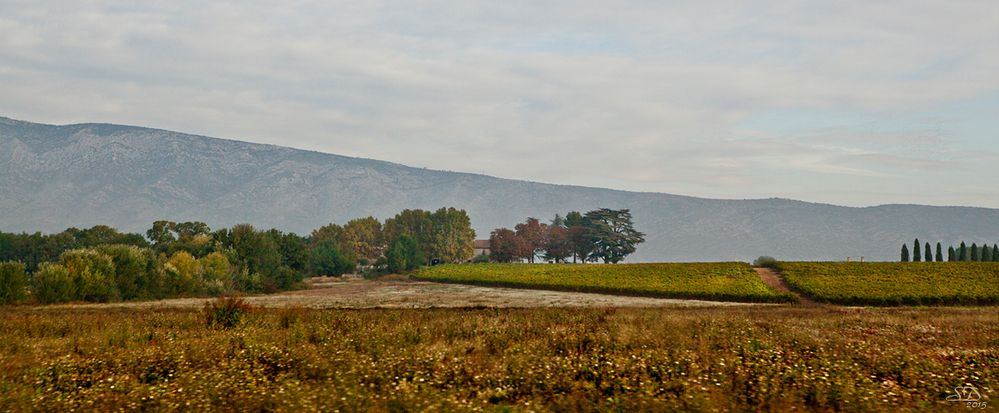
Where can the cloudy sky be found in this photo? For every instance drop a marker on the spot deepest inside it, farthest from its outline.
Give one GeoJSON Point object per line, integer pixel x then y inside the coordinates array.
{"type": "Point", "coordinates": [855, 103]}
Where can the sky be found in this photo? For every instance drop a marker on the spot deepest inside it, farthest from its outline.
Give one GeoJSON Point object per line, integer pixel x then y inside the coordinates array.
{"type": "Point", "coordinates": [849, 102]}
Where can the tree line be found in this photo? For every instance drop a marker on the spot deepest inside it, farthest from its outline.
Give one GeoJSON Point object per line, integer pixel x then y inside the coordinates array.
{"type": "Point", "coordinates": [188, 258]}
{"type": "Point", "coordinates": [600, 235]}
{"type": "Point", "coordinates": [963, 252]}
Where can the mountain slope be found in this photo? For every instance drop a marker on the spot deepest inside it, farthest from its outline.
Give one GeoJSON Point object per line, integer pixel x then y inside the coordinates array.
{"type": "Point", "coordinates": [54, 177]}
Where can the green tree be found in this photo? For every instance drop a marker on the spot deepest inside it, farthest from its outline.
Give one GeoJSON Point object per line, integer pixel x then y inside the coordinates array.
{"type": "Point", "coordinates": [326, 259]}
{"type": "Point", "coordinates": [951, 254]}
{"type": "Point", "coordinates": [416, 224]}
{"type": "Point", "coordinates": [255, 250]}
{"type": "Point", "coordinates": [917, 255]}
{"type": "Point", "coordinates": [929, 253]}
{"type": "Point", "coordinates": [52, 283]}
{"type": "Point", "coordinates": [963, 253]}
{"type": "Point", "coordinates": [986, 253]}
{"type": "Point", "coordinates": [995, 252]}
{"type": "Point", "coordinates": [940, 257]}
{"type": "Point", "coordinates": [13, 282]}
{"type": "Point", "coordinates": [453, 238]}
{"type": "Point", "coordinates": [92, 273]}
{"type": "Point", "coordinates": [975, 256]}
{"type": "Point", "coordinates": [613, 233]}
{"type": "Point", "coordinates": [133, 266]}
{"type": "Point", "coordinates": [404, 254]}
{"type": "Point", "coordinates": [580, 241]}
{"type": "Point", "coordinates": [294, 250]}
{"type": "Point", "coordinates": [216, 273]}
{"type": "Point", "coordinates": [905, 253]}
{"type": "Point", "coordinates": [161, 233]}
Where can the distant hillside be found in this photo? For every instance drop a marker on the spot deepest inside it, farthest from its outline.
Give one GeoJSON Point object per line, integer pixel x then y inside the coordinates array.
{"type": "Point", "coordinates": [54, 177]}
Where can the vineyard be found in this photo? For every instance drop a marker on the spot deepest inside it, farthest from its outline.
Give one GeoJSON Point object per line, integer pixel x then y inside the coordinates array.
{"type": "Point", "coordinates": [705, 281]}
{"type": "Point", "coordinates": [963, 283]}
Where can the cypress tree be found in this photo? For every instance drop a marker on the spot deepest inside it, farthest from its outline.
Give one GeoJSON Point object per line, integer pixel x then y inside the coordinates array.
{"type": "Point", "coordinates": [951, 254]}
{"type": "Point", "coordinates": [995, 252]}
{"type": "Point", "coordinates": [974, 252]}
{"type": "Point", "coordinates": [917, 256]}
{"type": "Point", "coordinates": [929, 253]}
{"type": "Point", "coordinates": [962, 253]}
{"type": "Point", "coordinates": [939, 252]}
{"type": "Point", "coordinates": [905, 253]}
{"type": "Point", "coordinates": [986, 253]}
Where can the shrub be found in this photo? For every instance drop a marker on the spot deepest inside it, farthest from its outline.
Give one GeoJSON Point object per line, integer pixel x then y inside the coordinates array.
{"type": "Point", "coordinates": [480, 259]}
{"type": "Point", "coordinates": [13, 282]}
{"type": "Point", "coordinates": [225, 312]}
{"type": "Point", "coordinates": [52, 283]}
{"type": "Point", "coordinates": [765, 261]}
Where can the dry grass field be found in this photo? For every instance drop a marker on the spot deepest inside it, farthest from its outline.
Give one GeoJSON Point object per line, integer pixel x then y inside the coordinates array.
{"type": "Point", "coordinates": [749, 358]}
{"type": "Point", "coordinates": [398, 292]}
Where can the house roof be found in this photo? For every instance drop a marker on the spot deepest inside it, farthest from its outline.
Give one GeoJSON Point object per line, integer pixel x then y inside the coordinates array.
{"type": "Point", "coordinates": [482, 244]}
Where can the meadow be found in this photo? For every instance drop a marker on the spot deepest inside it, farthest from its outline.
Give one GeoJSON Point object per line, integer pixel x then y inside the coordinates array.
{"type": "Point", "coordinates": [741, 359]}
{"type": "Point", "coordinates": [895, 283]}
{"type": "Point", "coordinates": [727, 281]}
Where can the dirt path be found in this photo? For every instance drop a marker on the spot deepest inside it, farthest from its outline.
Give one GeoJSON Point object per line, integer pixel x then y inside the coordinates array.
{"type": "Point", "coordinates": [420, 294]}
{"type": "Point", "coordinates": [775, 281]}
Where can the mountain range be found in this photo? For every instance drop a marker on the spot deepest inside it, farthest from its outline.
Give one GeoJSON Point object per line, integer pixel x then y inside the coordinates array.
{"type": "Point", "coordinates": [54, 177]}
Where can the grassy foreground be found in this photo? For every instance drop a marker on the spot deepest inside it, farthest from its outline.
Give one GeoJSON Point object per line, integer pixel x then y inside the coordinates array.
{"type": "Point", "coordinates": [726, 281]}
{"type": "Point", "coordinates": [896, 283]}
{"type": "Point", "coordinates": [745, 359]}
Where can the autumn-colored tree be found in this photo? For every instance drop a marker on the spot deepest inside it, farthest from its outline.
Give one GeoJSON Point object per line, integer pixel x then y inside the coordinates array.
{"type": "Point", "coordinates": [183, 273]}
{"type": "Point", "coordinates": [363, 237]}
{"type": "Point", "coordinates": [505, 245]}
{"type": "Point", "coordinates": [557, 246]}
{"type": "Point", "coordinates": [532, 232]}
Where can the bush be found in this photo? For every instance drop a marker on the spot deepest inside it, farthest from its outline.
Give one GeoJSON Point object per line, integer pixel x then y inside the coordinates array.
{"type": "Point", "coordinates": [480, 259]}
{"type": "Point", "coordinates": [225, 312]}
{"type": "Point", "coordinates": [766, 262]}
{"type": "Point", "coordinates": [52, 283]}
{"type": "Point", "coordinates": [13, 282]}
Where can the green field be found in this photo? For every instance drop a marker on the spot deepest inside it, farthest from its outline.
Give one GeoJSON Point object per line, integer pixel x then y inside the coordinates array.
{"type": "Point", "coordinates": [886, 283]}
{"type": "Point", "coordinates": [729, 281]}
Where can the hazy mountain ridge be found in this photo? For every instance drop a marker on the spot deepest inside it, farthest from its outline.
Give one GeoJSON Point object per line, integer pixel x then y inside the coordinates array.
{"type": "Point", "coordinates": [53, 177]}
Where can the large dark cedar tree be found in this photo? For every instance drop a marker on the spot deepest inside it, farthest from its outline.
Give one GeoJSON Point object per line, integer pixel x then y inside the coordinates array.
{"type": "Point", "coordinates": [613, 234]}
